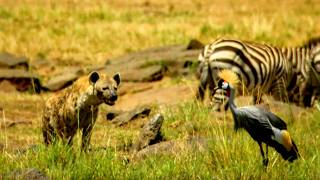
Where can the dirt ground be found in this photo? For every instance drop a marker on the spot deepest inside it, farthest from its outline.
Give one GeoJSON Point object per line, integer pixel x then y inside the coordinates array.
{"type": "Point", "coordinates": [164, 92]}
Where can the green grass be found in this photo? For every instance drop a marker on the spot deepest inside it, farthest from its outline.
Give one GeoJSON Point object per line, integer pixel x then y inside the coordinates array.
{"type": "Point", "coordinates": [229, 155]}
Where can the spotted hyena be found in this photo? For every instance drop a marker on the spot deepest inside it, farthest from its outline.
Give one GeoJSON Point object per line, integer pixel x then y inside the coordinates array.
{"type": "Point", "coordinates": [77, 108]}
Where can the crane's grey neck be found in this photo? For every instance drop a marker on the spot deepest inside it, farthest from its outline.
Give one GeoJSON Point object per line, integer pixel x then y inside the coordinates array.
{"type": "Point", "coordinates": [232, 105]}
{"type": "Point", "coordinates": [233, 108]}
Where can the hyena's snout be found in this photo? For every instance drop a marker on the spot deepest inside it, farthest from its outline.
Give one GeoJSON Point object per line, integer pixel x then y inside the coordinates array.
{"type": "Point", "coordinates": [113, 96]}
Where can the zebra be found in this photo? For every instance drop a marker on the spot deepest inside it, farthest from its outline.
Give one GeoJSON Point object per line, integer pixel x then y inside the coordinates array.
{"type": "Point", "coordinates": [305, 83]}
{"type": "Point", "coordinates": [262, 69]}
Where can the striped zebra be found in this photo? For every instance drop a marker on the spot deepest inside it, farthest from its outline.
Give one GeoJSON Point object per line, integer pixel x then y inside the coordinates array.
{"type": "Point", "coordinates": [262, 68]}
{"type": "Point", "coordinates": [305, 83]}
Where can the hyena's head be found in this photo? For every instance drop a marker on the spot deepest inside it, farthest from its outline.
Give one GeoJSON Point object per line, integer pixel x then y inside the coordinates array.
{"type": "Point", "coordinates": [105, 87]}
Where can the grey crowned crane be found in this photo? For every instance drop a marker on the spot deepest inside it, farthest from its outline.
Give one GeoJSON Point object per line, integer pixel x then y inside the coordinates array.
{"type": "Point", "coordinates": [263, 126]}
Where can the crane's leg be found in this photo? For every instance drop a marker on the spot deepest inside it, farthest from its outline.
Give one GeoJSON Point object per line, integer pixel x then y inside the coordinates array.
{"type": "Point", "coordinates": [265, 161]}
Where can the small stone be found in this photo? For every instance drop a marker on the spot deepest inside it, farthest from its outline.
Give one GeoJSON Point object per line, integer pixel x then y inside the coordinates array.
{"type": "Point", "coordinates": [127, 116]}
{"type": "Point", "coordinates": [30, 173]}
{"type": "Point", "coordinates": [195, 44]}
{"type": "Point", "coordinates": [150, 133]}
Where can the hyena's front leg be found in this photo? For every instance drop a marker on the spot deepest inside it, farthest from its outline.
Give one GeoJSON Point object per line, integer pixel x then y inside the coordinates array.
{"type": "Point", "coordinates": [86, 136]}
{"type": "Point", "coordinates": [48, 135]}
{"type": "Point", "coordinates": [47, 131]}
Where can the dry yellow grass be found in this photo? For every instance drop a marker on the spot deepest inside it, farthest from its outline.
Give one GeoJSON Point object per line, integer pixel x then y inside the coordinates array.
{"type": "Point", "coordinates": [89, 32]}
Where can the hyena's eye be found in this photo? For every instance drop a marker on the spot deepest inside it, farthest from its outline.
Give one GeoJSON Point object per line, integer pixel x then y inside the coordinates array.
{"type": "Point", "coordinates": [105, 88]}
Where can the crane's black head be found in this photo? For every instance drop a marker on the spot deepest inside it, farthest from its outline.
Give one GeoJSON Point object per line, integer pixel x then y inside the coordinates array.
{"type": "Point", "coordinates": [223, 84]}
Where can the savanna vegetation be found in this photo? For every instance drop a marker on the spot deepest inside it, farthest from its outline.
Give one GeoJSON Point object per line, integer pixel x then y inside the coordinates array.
{"type": "Point", "coordinates": [87, 33]}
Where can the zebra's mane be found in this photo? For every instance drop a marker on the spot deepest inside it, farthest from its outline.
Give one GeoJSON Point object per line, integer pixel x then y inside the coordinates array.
{"type": "Point", "coordinates": [312, 42]}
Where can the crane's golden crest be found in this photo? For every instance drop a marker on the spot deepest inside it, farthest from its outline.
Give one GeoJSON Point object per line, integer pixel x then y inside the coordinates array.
{"type": "Point", "coordinates": [229, 76]}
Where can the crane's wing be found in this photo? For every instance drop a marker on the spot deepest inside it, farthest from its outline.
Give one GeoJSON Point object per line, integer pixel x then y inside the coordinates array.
{"type": "Point", "coordinates": [255, 122]}
{"type": "Point", "coordinates": [276, 121]}
{"type": "Point", "coordinates": [264, 115]}
{"type": "Point", "coordinates": [253, 118]}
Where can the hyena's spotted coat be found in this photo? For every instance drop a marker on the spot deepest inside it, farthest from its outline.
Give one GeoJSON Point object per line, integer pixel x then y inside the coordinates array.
{"type": "Point", "coordinates": [77, 108]}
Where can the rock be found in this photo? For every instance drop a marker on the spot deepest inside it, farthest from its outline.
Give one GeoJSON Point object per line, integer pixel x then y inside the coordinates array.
{"type": "Point", "coordinates": [22, 80]}
{"type": "Point", "coordinates": [150, 133]}
{"type": "Point", "coordinates": [195, 44]}
{"type": "Point", "coordinates": [63, 79]}
{"type": "Point", "coordinates": [111, 115]}
{"type": "Point", "coordinates": [11, 61]}
{"type": "Point", "coordinates": [173, 147]}
{"type": "Point", "coordinates": [6, 86]}
{"type": "Point", "coordinates": [43, 67]}
{"type": "Point", "coordinates": [151, 73]}
{"type": "Point", "coordinates": [30, 173]}
{"type": "Point", "coordinates": [168, 60]}
{"type": "Point", "coordinates": [127, 116]}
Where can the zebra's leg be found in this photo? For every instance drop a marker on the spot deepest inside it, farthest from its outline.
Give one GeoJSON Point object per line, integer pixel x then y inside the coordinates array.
{"type": "Point", "coordinates": [314, 97]}
{"type": "Point", "coordinates": [311, 95]}
{"type": "Point", "coordinates": [203, 82]}
{"type": "Point", "coordinates": [279, 91]}
{"type": "Point", "coordinates": [257, 96]}
{"type": "Point", "coordinates": [302, 92]}
{"type": "Point", "coordinates": [212, 87]}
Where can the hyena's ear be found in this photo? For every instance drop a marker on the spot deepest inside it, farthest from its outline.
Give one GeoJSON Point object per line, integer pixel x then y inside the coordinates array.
{"type": "Point", "coordinates": [117, 78]}
{"type": "Point", "coordinates": [94, 77]}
